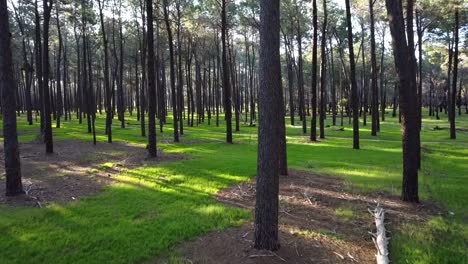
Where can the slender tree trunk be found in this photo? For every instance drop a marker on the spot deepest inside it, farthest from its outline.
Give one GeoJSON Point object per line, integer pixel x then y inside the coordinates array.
{"type": "Point", "coordinates": [300, 80]}
{"type": "Point", "coordinates": [45, 66]}
{"type": "Point", "coordinates": [383, 88]}
{"type": "Point", "coordinates": [313, 132]}
{"type": "Point", "coordinates": [172, 72]}
{"type": "Point", "coordinates": [365, 88]}
{"type": "Point", "coordinates": [143, 72]}
{"type": "Point", "coordinates": [332, 83]}
{"type": "Point", "coordinates": [38, 50]}
{"type": "Point", "coordinates": [120, 90]}
{"type": "Point", "coordinates": [226, 83]}
{"type": "Point", "coordinates": [323, 74]}
{"type": "Point", "coordinates": [58, 76]}
{"type": "Point", "coordinates": [354, 92]}
{"type": "Point", "coordinates": [151, 81]}
{"type": "Point", "coordinates": [106, 77]}
{"type": "Point", "coordinates": [290, 80]}
{"type": "Point", "coordinates": [375, 89]}
{"type": "Point", "coordinates": [453, 134]}
{"type": "Point", "coordinates": [180, 82]}
{"type": "Point", "coordinates": [420, 73]}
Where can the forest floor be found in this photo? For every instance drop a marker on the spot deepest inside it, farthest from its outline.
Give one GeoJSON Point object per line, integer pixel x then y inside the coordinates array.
{"type": "Point", "coordinates": [76, 169]}
{"type": "Point", "coordinates": [320, 222]}
{"type": "Point", "coordinates": [109, 203]}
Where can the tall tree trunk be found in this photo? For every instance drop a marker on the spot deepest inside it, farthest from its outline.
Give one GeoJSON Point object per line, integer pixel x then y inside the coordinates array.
{"type": "Point", "coordinates": [7, 84]}
{"type": "Point", "coordinates": [453, 94]}
{"type": "Point", "coordinates": [58, 76]}
{"type": "Point", "coordinates": [172, 71]}
{"type": "Point", "coordinates": [420, 73]}
{"type": "Point", "coordinates": [151, 81]}
{"type": "Point", "coordinates": [143, 72]}
{"type": "Point", "coordinates": [226, 83]}
{"type": "Point", "coordinates": [383, 88]}
{"type": "Point", "coordinates": [365, 88]}
{"type": "Point", "coordinates": [332, 83]}
{"type": "Point", "coordinates": [121, 106]}
{"type": "Point", "coordinates": [106, 77]}
{"type": "Point", "coordinates": [180, 82]}
{"type": "Point", "coordinates": [91, 97]}
{"type": "Point", "coordinates": [47, 5]}
{"type": "Point", "coordinates": [313, 132]}
{"type": "Point", "coordinates": [375, 89]}
{"type": "Point", "coordinates": [27, 68]}
{"type": "Point", "coordinates": [323, 74]}
{"type": "Point", "coordinates": [290, 80]}
{"type": "Point", "coordinates": [38, 51]}
{"type": "Point", "coordinates": [300, 80]}
{"type": "Point", "coordinates": [354, 92]}
{"type": "Point", "coordinates": [270, 127]}
{"type": "Point", "coordinates": [408, 100]}
{"type": "Point", "coordinates": [413, 64]}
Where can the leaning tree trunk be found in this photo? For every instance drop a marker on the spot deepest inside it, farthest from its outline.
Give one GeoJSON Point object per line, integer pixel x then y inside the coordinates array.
{"type": "Point", "coordinates": [7, 88]}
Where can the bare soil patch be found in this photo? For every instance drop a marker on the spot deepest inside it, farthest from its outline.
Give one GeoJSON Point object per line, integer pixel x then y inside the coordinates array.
{"type": "Point", "coordinates": [75, 170]}
{"type": "Point", "coordinates": [320, 222]}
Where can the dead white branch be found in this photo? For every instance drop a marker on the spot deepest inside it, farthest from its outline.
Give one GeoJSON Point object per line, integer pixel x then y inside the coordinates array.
{"type": "Point", "coordinates": [380, 239]}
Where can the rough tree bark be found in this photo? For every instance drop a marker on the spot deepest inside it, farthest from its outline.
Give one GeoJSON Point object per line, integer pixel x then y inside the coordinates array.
{"type": "Point", "coordinates": [47, 6]}
{"type": "Point", "coordinates": [226, 83]}
{"type": "Point", "coordinates": [323, 74]}
{"type": "Point", "coordinates": [7, 88]}
{"type": "Point", "coordinates": [374, 87]}
{"type": "Point", "coordinates": [453, 134]}
{"type": "Point", "coordinates": [172, 71]}
{"type": "Point", "coordinates": [354, 92]}
{"type": "Point", "coordinates": [151, 81]}
{"type": "Point", "coordinates": [313, 131]}
{"type": "Point", "coordinates": [408, 100]}
{"type": "Point", "coordinates": [269, 133]}
{"type": "Point", "coordinates": [106, 77]}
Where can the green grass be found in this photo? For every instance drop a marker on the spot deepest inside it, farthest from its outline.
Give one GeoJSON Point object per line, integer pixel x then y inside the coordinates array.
{"type": "Point", "coordinates": [153, 208]}
{"type": "Point", "coordinates": [345, 213]}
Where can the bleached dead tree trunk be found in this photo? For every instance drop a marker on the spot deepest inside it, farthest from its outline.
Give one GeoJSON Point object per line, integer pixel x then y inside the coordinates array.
{"type": "Point", "coordinates": [379, 238]}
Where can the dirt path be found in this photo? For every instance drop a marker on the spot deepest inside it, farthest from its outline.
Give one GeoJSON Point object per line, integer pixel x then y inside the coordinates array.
{"type": "Point", "coordinates": [319, 223]}
{"type": "Point", "coordinates": [76, 169]}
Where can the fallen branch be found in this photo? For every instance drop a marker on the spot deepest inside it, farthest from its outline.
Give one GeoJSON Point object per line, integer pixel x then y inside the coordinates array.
{"type": "Point", "coordinates": [379, 238]}
{"type": "Point", "coordinates": [27, 189]}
